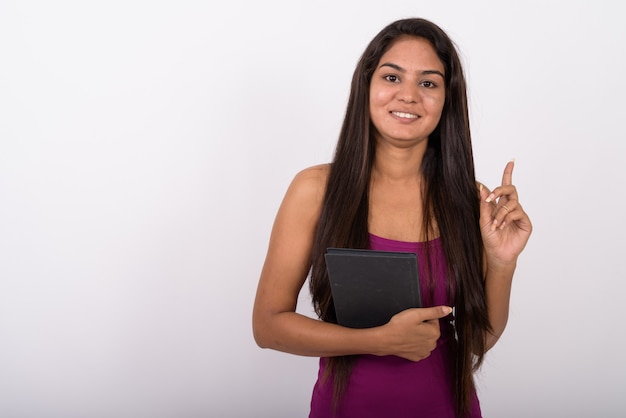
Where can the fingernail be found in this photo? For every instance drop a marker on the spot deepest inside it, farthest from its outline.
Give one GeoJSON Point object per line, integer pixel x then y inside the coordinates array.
{"type": "Point", "coordinates": [490, 198]}
{"type": "Point", "coordinates": [494, 224]}
{"type": "Point", "coordinates": [480, 187]}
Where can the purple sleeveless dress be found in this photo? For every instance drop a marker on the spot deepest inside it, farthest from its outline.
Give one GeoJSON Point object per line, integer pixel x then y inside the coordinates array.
{"type": "Point", "coordinates": [390, 386]}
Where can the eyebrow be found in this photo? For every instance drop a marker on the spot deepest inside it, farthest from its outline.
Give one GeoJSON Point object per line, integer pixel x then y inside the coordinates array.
{"type": "Point", "coordinates": [402, 70]}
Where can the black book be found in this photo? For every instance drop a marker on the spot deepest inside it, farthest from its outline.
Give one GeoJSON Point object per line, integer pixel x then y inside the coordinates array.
{"type": "Point", "coordinates": [369, 286]}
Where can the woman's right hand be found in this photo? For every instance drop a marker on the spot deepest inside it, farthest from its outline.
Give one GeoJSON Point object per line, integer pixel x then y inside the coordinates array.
{"type": "Point", "coordinates": [413, 333]}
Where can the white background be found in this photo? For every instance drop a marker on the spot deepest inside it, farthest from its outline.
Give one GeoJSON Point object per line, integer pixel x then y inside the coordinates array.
{"type": "Point", "coordinates": [145, 147]}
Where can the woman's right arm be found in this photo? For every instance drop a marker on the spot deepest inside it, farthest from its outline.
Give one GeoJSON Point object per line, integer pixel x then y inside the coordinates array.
{"type": "Point", "coordinates": [411, 334]}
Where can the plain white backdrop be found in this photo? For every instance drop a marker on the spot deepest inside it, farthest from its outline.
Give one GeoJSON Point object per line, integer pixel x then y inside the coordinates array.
{"type": "Point", "coordinates": [145, 147]}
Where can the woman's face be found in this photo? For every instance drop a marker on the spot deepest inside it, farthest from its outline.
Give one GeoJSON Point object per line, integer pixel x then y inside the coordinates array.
{"type": "Point", "coordinates": [407, 92]}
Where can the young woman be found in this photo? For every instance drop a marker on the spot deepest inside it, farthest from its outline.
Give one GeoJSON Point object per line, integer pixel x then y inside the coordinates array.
{"type": "Point", "coordinates": [402, 179]}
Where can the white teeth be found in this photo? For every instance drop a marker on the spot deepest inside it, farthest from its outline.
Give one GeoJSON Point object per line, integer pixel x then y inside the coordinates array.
{"type": "Point", "coordinates": [405, 115]}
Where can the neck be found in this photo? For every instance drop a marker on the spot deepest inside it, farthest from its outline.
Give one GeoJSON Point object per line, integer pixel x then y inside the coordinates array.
{"type": "Point", "coordinates": [398, 165]}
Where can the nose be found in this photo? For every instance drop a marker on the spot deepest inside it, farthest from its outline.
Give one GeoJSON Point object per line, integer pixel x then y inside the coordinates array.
{"type": "Point", "coordinates": [408, 94]}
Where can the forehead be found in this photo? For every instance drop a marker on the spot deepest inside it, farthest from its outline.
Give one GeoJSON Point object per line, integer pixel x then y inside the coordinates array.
{"type": "Point", "coordinates": [412, 52]}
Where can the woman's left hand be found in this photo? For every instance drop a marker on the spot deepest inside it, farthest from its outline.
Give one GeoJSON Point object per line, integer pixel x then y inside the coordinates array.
{"type": "Point", "coordinates": [504, 225]}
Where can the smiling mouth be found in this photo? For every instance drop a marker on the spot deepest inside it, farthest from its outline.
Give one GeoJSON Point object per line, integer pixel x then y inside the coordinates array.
{"type": "Point", "coordinates": [405, 115]}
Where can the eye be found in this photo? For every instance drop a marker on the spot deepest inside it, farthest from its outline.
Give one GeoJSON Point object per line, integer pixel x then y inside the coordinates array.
{"type": "Point", "coordinates": [392, 78]}
{"type": "Point", "coordinates": [428, 84]}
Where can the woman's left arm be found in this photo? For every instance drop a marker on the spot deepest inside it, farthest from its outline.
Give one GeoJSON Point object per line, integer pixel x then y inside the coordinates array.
{"type": "Point", "coordinates": [505, 229]}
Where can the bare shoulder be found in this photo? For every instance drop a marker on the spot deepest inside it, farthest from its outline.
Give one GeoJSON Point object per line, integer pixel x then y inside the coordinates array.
{"type": "Point", "coordinates": [316, 175]}
{"type": "Point", "coordinates": [302, 204]}
{"type": "Point", "coordinates": [309, 185]}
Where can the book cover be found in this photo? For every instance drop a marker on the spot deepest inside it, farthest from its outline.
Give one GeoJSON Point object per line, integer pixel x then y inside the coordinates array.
{"type": "Point", "coordinates": [369, 286]}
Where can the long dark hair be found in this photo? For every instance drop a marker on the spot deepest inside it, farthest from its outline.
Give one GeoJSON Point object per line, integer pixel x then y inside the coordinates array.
{"type": "Point", "coordinates": [450, 197]}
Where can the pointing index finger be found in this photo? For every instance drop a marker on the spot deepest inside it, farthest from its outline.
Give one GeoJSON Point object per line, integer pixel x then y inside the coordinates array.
{"type": "Point", "coordinates": [507, 177]}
